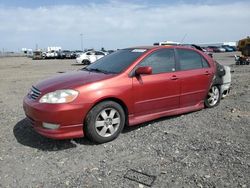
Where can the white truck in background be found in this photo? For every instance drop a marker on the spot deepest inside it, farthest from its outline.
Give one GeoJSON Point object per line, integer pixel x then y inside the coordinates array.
{"type": "Point", "coordinates": [52, 52]}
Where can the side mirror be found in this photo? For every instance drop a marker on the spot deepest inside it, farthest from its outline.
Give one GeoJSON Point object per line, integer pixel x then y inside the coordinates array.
{"type": "Point", "coordinates": [143, 70]}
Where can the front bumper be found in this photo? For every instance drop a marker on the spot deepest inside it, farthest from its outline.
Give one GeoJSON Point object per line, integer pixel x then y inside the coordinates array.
{"type": "Point", "coordinates": [78, 60]}
{"type": "Point", "coordinates": [70, 117]}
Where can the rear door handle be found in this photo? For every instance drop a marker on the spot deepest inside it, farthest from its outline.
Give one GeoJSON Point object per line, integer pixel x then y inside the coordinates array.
{"type": "Point", "coordinates": [207, 73]}
{"type": "Point", "coordinates": [174, 77]}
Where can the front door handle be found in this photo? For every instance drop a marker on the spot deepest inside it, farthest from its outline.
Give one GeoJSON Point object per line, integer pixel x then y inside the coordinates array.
{"type": "Point", "coordinates": [174, 77]}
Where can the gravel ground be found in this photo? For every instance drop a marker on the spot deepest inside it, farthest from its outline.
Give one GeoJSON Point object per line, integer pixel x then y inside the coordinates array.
{"type": "Point", "coordinates": [207, 148]}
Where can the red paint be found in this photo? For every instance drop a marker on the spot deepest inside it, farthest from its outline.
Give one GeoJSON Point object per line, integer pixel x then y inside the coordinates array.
{"type": "Point", "coordinates": [145, 96]}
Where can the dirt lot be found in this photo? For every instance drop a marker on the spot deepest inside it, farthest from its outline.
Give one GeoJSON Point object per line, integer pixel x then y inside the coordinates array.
{"type": "Point", "coordinates": [207, 148]}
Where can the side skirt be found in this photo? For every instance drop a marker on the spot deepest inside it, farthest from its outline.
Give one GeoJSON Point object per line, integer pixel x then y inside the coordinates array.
{"type": "Point", "coordinates": [134, 120]}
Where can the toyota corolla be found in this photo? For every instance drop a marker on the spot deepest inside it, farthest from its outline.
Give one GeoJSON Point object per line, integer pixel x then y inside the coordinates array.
{"type": "Point", "coordinates": [125, 88]}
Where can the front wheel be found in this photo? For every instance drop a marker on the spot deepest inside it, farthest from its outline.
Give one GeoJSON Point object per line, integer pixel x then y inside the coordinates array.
{"type": "Point", "coordinates": [104, 122]}
{"type": "Point", "coordinates": [213, 97]}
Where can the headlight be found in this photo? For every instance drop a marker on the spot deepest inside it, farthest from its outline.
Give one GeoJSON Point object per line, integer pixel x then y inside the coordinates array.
{"type": "Point", "coordinates": [59, 96]}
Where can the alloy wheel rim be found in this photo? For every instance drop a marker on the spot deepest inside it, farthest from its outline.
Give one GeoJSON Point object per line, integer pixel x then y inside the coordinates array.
{"type": "Point", "coordinates": [213, 96]}
{"type": "Point", "coordinates": [107, 122]}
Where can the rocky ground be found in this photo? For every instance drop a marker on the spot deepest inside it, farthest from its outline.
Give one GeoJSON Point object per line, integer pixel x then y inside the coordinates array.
{"type": "Point", "coordinates": [207, 148]}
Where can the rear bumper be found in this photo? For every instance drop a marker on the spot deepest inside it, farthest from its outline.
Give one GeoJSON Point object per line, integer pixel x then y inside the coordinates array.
{"type": "Point", "coordinates": [225, 89]}
{"type": "Point", "coordinates": [70, 117]}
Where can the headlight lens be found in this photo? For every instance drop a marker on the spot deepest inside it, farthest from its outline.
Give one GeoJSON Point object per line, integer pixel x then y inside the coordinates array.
{"type": "Point", "coordinates": [59, 96]}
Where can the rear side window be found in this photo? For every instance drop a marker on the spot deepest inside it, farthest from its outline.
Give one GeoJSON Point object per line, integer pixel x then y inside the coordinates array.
{"type": "Point", "coordinates": [190, 59]}
{"type": "Point", "coordinates": [204, 63]}
{"type": "Point", "coordinates": [161, 61]}
{"type": "Point", "coordinates": [99, 53]}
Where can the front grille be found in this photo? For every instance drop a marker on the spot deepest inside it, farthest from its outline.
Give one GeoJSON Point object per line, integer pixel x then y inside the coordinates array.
{"type": "Point", "coordinates": [34, 93]}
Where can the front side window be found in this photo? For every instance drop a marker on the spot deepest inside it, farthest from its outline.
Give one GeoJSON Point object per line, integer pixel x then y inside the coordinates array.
{"type": "Point", "coordinates": [161, 61]}
{"type": "Point", "coordinates": [190, 59]}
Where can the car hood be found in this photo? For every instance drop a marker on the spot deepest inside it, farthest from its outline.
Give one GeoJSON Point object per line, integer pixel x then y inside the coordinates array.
{"type": "Point", "coordinates": [70, 80]}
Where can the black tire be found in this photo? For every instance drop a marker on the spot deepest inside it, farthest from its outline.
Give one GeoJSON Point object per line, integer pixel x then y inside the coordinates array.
{"type": "Point", "coordinates": [213, 97]}
{"type": "Point", "coordinates": [85, 62]}
{"type": "Point", "coordinates": [99, 129]}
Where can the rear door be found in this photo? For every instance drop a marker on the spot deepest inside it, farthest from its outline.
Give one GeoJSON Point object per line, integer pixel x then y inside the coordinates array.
{"type": "Point", "coordinates": [159, 91]}
{"type": "Point", "coordinates": [195, 77]}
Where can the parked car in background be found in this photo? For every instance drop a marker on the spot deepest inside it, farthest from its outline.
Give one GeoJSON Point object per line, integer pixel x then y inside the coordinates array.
{"type": "Point", "coordinates": [234, 48]}
{"type": "Point", "coordinates": [208, 49]}
{"type": "Point", "coordinates": [202, 49]}
{"type": "Point", "coordinates": [89, 57]}
{"type": "Point", "coordinates": [51, 54]}
{"type": "Point", "coordinates": [107, 51]}
{"type": "Point", "coordinates": [216, 48]}
{"type": "Point", "coordinates": [127, 87]}
{"type": "Point", "coordinates": [221, 49]}
{"type": "Point", "coordinates": [110, 51]}
{"type": "Point", "coordinates": [76, 53]}
{"type": "Point", "coordinates": [65, 54]}
{"type": "Point", "coordinates": [38, 55]}
{"type": "Point", "coordinates": [198, 48]}
{"type": "Point", "coordinates": [228, 48]}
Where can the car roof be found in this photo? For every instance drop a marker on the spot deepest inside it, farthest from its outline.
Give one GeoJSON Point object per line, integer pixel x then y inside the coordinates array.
{"type": "Point", "coordinates": [93, 51]}
{"type": "Point", "coordinates": [162, 47]}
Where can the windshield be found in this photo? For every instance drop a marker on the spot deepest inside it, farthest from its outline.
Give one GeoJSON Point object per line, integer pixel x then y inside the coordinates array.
{"type": "Point", "coordinates": [116, 62]}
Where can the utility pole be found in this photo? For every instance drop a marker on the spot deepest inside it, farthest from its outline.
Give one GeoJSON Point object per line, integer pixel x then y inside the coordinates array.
{"type": "Point", "coordinates": [81, 41]}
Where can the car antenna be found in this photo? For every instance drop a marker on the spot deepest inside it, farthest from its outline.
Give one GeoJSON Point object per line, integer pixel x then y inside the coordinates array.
{"type": "Point", "coordinates": [183, 38]}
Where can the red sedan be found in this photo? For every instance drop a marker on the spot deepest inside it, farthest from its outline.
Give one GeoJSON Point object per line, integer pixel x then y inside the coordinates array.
{"type": "Point", "coordinates": [127, 87]}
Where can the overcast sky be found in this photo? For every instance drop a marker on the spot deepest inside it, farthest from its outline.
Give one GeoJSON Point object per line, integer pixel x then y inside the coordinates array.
{"type": "Point", "coordinates": [117, 24]}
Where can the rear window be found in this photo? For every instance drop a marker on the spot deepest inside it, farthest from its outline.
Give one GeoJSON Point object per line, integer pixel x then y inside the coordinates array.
{"type": "Point", "coordinates": [118, 61]}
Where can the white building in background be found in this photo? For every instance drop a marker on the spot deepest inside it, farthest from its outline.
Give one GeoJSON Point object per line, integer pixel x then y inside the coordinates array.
{"type": "Point", "coordinates": [218, 44]}
{"type": "Point", "coordinates": [26, 50]}
{"type": "Point", "coordinates": [230, 43]}
{"type": "Point", "coordinates": [54, 48]}
{"type": "Point", "coordinates": [166, 43]}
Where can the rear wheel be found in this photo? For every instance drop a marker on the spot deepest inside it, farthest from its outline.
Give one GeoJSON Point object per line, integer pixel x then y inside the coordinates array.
{"type": "Point", "coordinates": [104, 122]}
{"type": "Point", "coordinates": [85, 62]}
{"type": "Point", "coordinates": [213, 97]}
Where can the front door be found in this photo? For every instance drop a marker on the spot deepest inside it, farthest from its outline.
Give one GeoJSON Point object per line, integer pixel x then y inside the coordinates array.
{"type": "Point", "coordinates": [159, 91]}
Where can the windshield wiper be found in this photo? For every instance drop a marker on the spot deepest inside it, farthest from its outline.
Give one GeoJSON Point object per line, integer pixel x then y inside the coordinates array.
{"type": "Point", "coordinates": [98, 70]}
